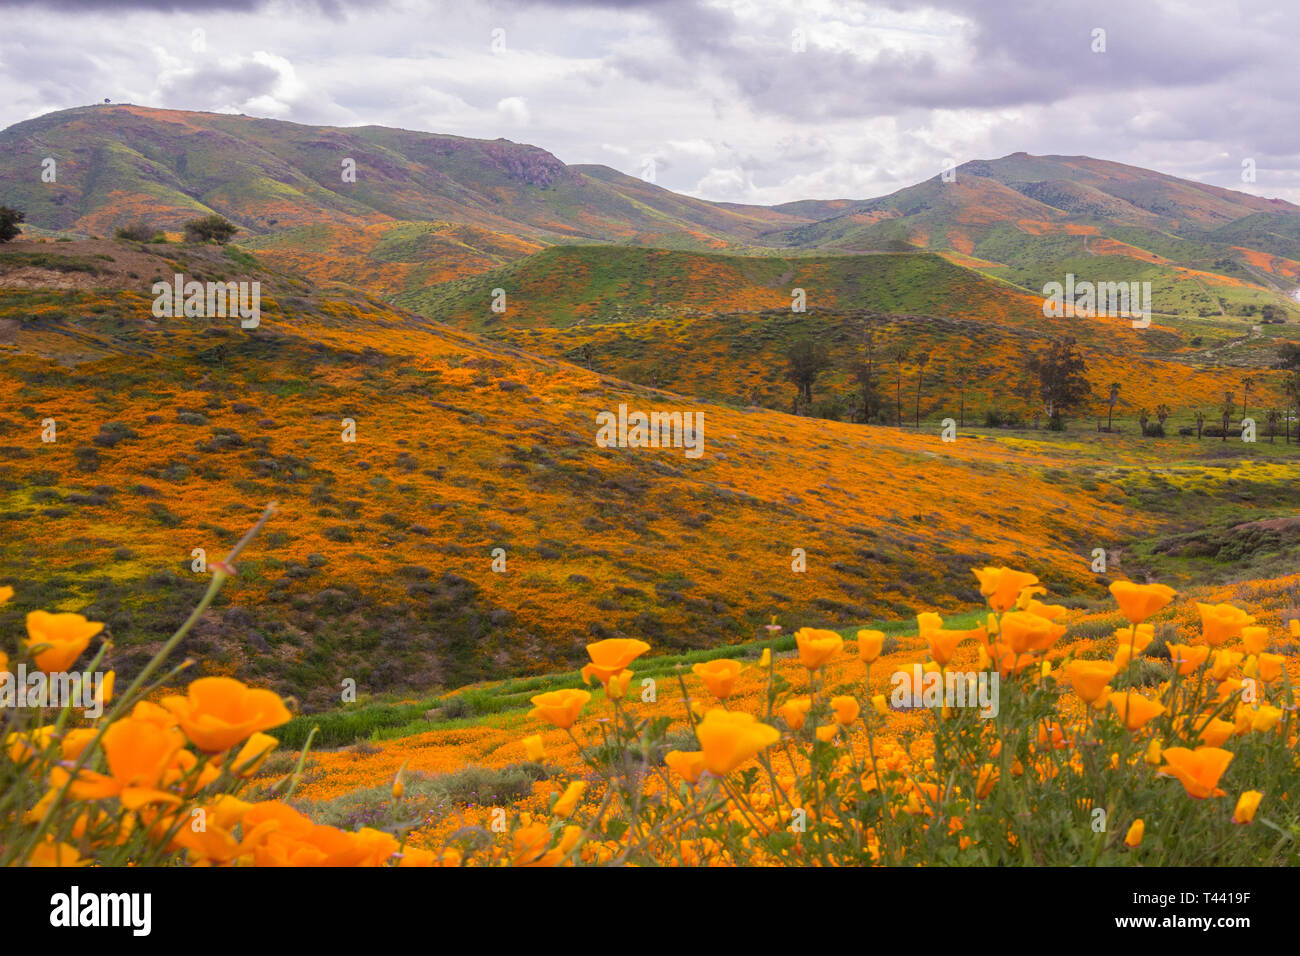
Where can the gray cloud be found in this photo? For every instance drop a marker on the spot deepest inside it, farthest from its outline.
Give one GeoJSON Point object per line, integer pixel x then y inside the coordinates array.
{"type": "Point", "coordinates": [882, 93]}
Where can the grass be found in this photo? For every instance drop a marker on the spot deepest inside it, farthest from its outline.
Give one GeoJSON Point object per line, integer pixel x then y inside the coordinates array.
{"type": "Point", "coordinates": [429, 795]}
{"type": "Point", "coordinates": [376, 720]}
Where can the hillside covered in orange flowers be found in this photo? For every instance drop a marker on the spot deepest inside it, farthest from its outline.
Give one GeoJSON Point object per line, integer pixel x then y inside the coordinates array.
{"type": "Point", "coordinates": [382, 564]}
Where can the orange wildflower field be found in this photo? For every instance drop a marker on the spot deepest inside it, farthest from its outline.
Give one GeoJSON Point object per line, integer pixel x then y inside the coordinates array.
{"type": "Point", "coordinates": [534, 515]}
{"type": "Point", "coordinates": [423, 653]}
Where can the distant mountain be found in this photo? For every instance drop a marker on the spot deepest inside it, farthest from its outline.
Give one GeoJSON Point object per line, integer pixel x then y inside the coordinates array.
{"type": "Point", "coordinates": [426, 209]}
{"type": "Point", "coordinates": [116, 162]}
{"type": "Point", "coordinates": [1032, 219]}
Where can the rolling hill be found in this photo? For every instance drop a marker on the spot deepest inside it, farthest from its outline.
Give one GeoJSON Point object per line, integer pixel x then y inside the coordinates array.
{"type": "Point", "coordinates": [426, 208]}
{"type": "Point", "coordinates": [475, 429]}
{"type": "Point", "coordinates": [172, 432]}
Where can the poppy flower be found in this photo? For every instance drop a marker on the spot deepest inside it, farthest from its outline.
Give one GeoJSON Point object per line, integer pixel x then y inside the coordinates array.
{"type": "Point", "coordinates": [1224, 663]}
{"type": "Point", "coordinates": [1187, 658]}
{"type": "Point", "coordinates": [846, 709]}
{"type": "Point", "coordinates": [686, 764]}
{"type": "Point", "coordinates": [880, 705]}
{"type": "Point", "coordinates": [1133, 640]}
{"type": "Point", "coordinates": [1002, 586]}
{"type": "Point", "coordinates": [1228, 688]}
{"type": "Point", "coordinates": [1049, 611]}
{"type": "Point", "coordinates": [1269, 667]}
{"type": "Point", "coordinates": [795, 712]}
{"type": "Point", "coordinates": [816, 647]}
{"type": "Point", "coordinates": [719, 676]}
{"type": "Point", "coordinates": [943, 644]}
{"type": "Point", "coordinates": [1052, 734]}
{"type": "Point", "coordinates": [1153, 755]}
{"type": "Point", "coordinates": [1247, 804]}
{"type": "Point", "coordinates": [1254, 639]}
{"type": "Point", "coordinates": [1135, 833]}
{"type": "Point", "coordinates": [569, 799]}
{"type": "Point", "coordinates": [49, 852]}
{"type": "Point", "coordinates": [1221, 622]}
{"type": "Point", "coordinates": [254, 753]}
{"type": "Point", "coordinates": [138, 754]}
{"type": "Point", "coordinates": [616, 686]}
{"type": "Point", "coordinates": [1264, 718]}
{"type": "Point", "coordinates": [870, 644]}
{"type": "Point", "coordinates": [1134, 709]}
{"type": "Point", "coordinates": [730, 738]}
{"type": "Point", "coordinates": [1215, 733]}
{"type": "Point", "coordinates": [1089, 678]}
{"type": "Point", "coordinates": [533, 748]}
{"type": "Point", "coordinates": [559, 707]}
{"type": "Point", "coordinates": [1023, 632]}
{"type": "Point", "coordinates": [611, 657]}
{"type": "Point", "coordinates": [1198, 770]}
{"type": "Point", "coordinates": [219, 712]}
{"type": "Point", "coordinates": [57, 640]}
{"type": "Point", "coordinates": [1139, 601]}
{"type": "Point", "coordinates": [921, 798]}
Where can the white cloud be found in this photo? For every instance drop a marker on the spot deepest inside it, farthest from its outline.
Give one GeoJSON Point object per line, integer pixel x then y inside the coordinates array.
{"type": "Point", "coordinates": [514, 109]}
{"type": "Point", "coordinates": [710, 88]}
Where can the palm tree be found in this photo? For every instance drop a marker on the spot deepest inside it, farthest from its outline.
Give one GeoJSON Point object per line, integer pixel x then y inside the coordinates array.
{"type": "Point", "coordinates": [1110, 402]}
{"type": "Point", "coordinates": [1247, 386]}
{"type": "Point", "coordinates": [1144, 416]}
{"type": "Point", "coordinates": [1274, 416]}
{"type": "Point", "coordinates": [1291, 388]}
{"type": "Point", "coordinates": [1162, 412]}
{"type": "Point", "coordinates": [1226, 411]}
{"type": "Point", "coordinates": [899, 354]}
{"type": "Point", "coordinates": [963, 372]}
{"type": "Point", "coordinates": [866, 371]}
{"type": "Point", "coordinates": [922, 360]}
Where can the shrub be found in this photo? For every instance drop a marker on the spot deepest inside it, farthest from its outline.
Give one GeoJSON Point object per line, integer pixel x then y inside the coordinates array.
{"type": "Point", "coordinates": [212, 228]}
{"type": "Point", "coordinates": [9, 223]}
{"type": "Point", "coordinates": [137, 232]}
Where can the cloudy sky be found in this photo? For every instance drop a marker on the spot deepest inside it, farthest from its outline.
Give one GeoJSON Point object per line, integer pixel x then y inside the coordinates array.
{"type": "Point", "coordinates": [740, 100]}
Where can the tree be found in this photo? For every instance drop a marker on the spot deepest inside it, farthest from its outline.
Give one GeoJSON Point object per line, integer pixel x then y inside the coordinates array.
{"type": "Point", "coordinates": [865, 373]}
{"type": "Point", "coordinates": [1062, 377]}
{"type": "Point", "coordinates": [1144, 416]}
{"type": "Point", "coordinates": [1226, 412]}
{"type": "Point", "coordinates": [1274, 416]}
{"type": "Point", "coordinates": [1291, 388]}
{"type": "Point", "coordinates": [922, 360]}
{"type": "Point", "coordinates": [1110, 403]}
{"type": "Point", "coordinates": [963, 373]}
{"type": "Point", "coordinates": [1200, 422]}
{"type": "Point", "coordinates": [1162, 412]}
{"type": "Point", "coordinates": [1288, 354]}
{"type": "Point", "coordinates": [1247, 386]}
{"type": "Point", "coordinates": [899, 354]}
{"type": "Point", "coordinates": [212, 228]}
{"type": "Point", "coordinates": [9, 220]}
{"type": "Point", "coordinates": [807, 359]}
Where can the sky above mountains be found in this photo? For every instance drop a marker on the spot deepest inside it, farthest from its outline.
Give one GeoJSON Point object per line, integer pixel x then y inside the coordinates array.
{"type": "Point", "coordinates": [729, 100]}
